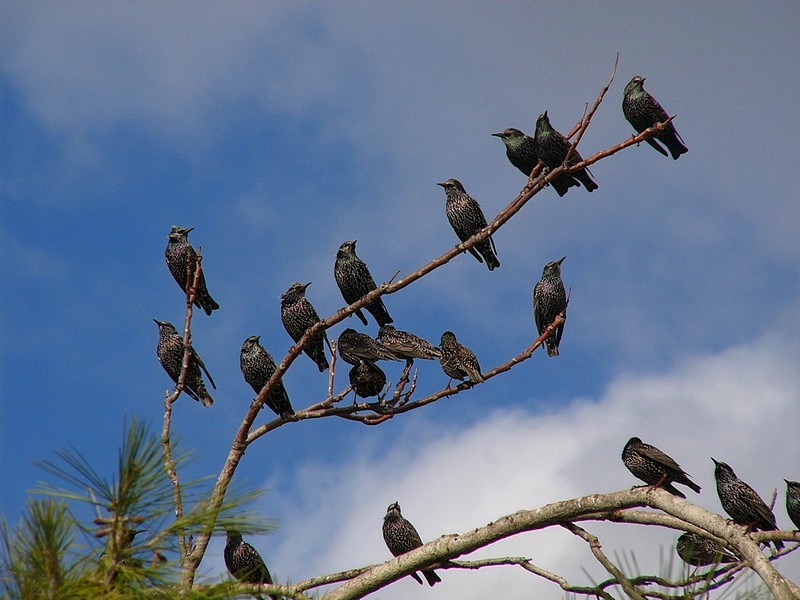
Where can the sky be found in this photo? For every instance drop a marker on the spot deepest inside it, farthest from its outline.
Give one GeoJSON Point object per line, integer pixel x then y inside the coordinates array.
{"type": "Point", "coordinates": [280, 130]}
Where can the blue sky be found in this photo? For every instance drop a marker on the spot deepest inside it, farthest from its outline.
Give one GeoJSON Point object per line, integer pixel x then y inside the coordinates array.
{"type": "Point", "coordinates": [278, 131]}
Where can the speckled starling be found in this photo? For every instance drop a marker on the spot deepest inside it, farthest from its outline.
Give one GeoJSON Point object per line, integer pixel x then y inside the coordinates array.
{"type": "Point", "coordinates": [170, 355]}
{"type": "Point", "coordinates": [367, 379]}
{"type": "Point", "coordinates": [244, 562]}
{"type": "Point", "coordinates": [742, 503]}
{"type": "Point", "coordinates": [457, 360]}
{"type": "Point", "coordinates": [466, 218]}
{"type": "Point", "coordinates": [257, 367]}
{"type": "Point", "coordinates": [552, 148]}
{"type": "Point", "coordinates": [700, 551]}
{"type": "Point", "coordinates": [354, 346]}
{"type": "Point", "coordinates": [407, 345]}
{"type": "Point", "coordinates": [401, 537]}
{"type": "Point", "coordinates": [297, 315]}
{"type": "Point", "coordinates": [643, 111]}
{"type": "Point", "coordinates": [354, 281]}
{"type": "Point", "coordinates": [181, 258]}
{"type": "Point", "coordinates": [521, 151]}
{"type": "Point", "coordinates": [549, 300]}
{"type": "Point", "coordinates": [655, 468]}
{"type": "Point", "coordinates": [793, 501]}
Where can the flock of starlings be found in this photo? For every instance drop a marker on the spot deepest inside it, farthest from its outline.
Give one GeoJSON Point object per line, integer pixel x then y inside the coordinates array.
{"type": "Point", "coordinates": [354, 280]}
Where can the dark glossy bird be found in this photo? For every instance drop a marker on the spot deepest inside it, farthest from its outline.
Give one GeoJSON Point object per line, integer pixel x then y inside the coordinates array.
{"type": "Point", "coordinates": [405, 344]}
{"type": "Point", "coordinates": [257, 367]}
{"type": "Point", "coordinates": [655, 468]}
{"type": "Point", "coordinates": [401, 537]}
{"type": "Point", "coordinates": [297, 315]}
{"type": "Point", "coordinates": [181, 258]}
{"type": "Point", "coordinates": [742, 503]}
{"type": "Point", "coordinates": [354, 281]}
{"type": "Point", "coordinates": [354, 346]}
{"type": "Point", "coordinates": [457, 360]}
{"type": "Point", "coordinates": [466, 218]}
{"type": "Point", "coordinates": [700, 551]}
{"type": "Point", "coordinates": [552, 148]}
{"type": "Point", "coordinates": [367, 379]}
{"type": "Point", "coordinates": [521, 151]}
{"type": "Point", "coordinates": [643, 111]}
{"type": "Point", "coordinates": [244, 562]}
{"type": "Point", "coordinates": [793, 501]}
{"type": "Point", "coordinates": [549, 301]}
{"type": "Point", "coordinates": [170, 355]}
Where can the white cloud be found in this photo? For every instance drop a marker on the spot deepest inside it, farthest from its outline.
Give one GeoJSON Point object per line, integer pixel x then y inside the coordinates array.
{"type": "Point", "coordinates": [741, 406]}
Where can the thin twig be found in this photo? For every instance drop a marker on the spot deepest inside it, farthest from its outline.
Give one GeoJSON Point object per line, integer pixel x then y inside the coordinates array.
{"type": "Point", "coordinates": [595, 548]}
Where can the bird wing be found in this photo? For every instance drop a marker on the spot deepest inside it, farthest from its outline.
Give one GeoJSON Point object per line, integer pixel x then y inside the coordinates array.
{"type": "Point", "coordinates": [658, 456]}
{"type": "Point", "coordinates": [202, 365]}
{"type": "Point", "coordinates": [536, 312]}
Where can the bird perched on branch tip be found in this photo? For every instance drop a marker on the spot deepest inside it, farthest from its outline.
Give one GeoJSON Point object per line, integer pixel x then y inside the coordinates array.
{"type": "Point", "coordinates": [643, 111]}
{"type": "Point", "coordinates": [181, 259]}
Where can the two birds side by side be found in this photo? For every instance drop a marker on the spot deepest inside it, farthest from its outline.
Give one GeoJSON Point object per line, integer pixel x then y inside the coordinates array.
{"type": "Point", "coordinates": [740, 501]}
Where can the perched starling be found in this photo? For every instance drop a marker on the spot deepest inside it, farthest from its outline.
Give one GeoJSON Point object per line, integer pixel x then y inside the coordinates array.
{"type": "Point", "coordinates": [643, 111]}
{"type": "Point", "coordinates": [549, 301]}
{"type": "Point", "coordinates": [297, 316]}
{"type": "Point", "coordinates": [181, 258]}
{"type": "Point", "coordinates": [466, 218]}
{"type": "Point", "coordinates": [552, 148]}
{"type": "Point", "coordinates": [700, 551]}
{"type": "Point", "coordinates": [520, 149]}
{"type": "Point", "coordinates": [244, 562]}
{"type": "Point", "coordinates": [354, 346]}
{"type": "Point", "coordinates": [655, 468]}
{"type": "Point", "coordinates": [458, 361]}
{"type": "Point", "coordinates": [257, 367]}
{"type": "Point", "coordinates": [407, 345]}
{"type": "Point", "coordinates": [170, 355]}
{"type": "Point", "coordinates": [793, 501]}
{"type": "Point", "coordinates": [367, 379]}
{"type": "Point", "coordinates": [742, 503]}
{"type": "Point", "coordinates": [354, 281]}
{"type": "Point", "coordinates": [401, 537]}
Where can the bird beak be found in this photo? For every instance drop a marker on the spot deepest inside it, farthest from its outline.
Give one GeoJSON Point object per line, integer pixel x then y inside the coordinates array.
{"type": "Point", "coordinates": [188, 230]}
{"type": "Point", "coordinates": [157, 322]}
{"type": "Point", "coordinates": [442, 183]}
{"type": "Point", "coordinates": [258, 338]}
{"type": "Point", "coordinates": [562, 259]}
{"type": "Point", "coordinates": [498, 135]}
{"type": "Point", "coordinates": [544, 114]}
{"type": "Point", "coordinates": [305, 285]}
{"type": "Point", "coordinates": [715, 460]}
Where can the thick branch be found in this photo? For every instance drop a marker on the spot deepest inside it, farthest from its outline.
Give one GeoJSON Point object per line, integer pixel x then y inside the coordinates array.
{"type": "Point", "coordinates": [450, 547]}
